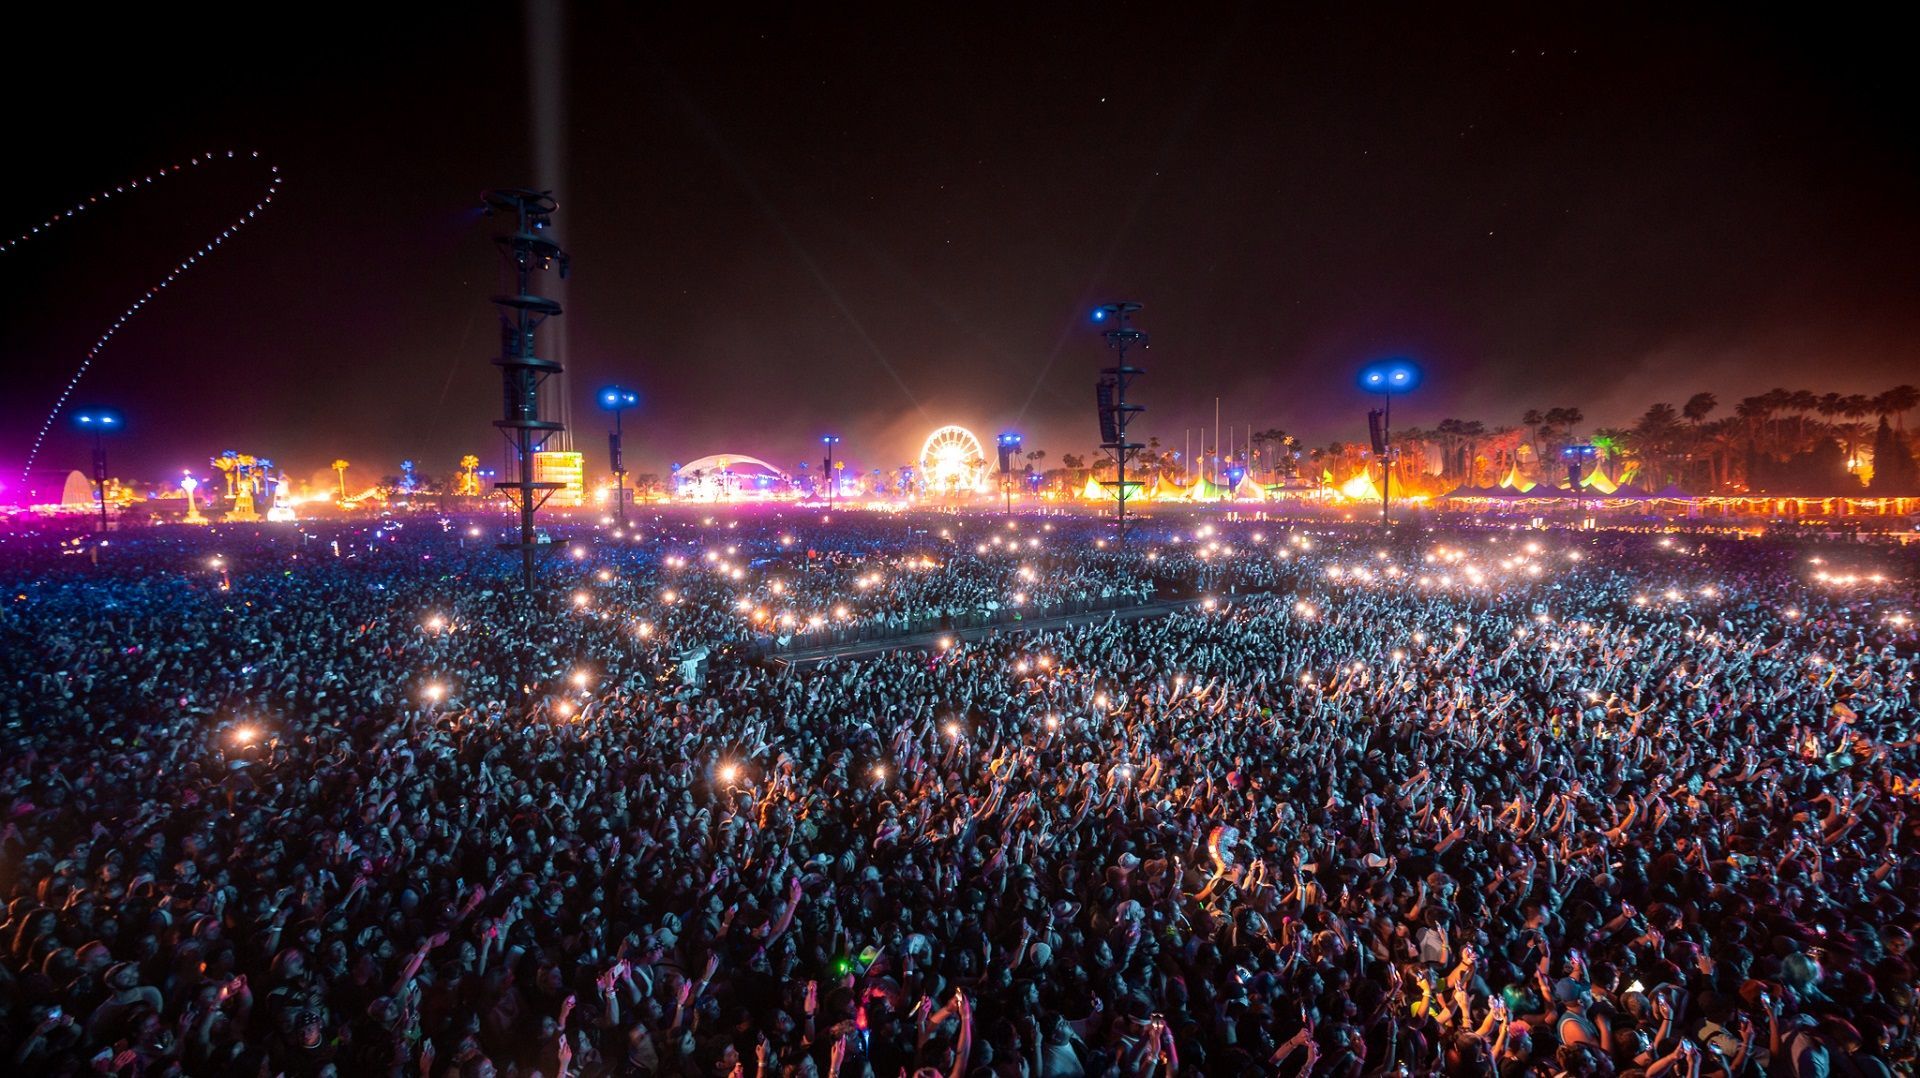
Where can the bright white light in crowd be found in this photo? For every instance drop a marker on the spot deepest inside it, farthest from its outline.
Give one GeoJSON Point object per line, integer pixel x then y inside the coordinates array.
{"type": "Point", "coordinates": [1019, 598]}
{"type": "Point", "coordinates": [729, 772]}
{"type": "Point", "coordinates": [1207, 603]}
{"type": "Point", "coordinates": [1573, 555]}
{"type": "Point", "coordinates": [1259, 537]}
{"type": "Point", "coordinates": [787, 620]}
{"type": "Point", "coordinates": [786, 540]}
{"type": "Point", "coordinates": [953, 730]}
{"type": "Point", "coordinates": [1672, 595]}
{"type": "Point", "coordinates": [644, 629]}
{"type": "Point", "coordinates": [578, 554]}
{"type": "Point", "coordinates": [669, 596]}
{"type": "Point", "coordinates": [946, 642]}
{"type": "Point", "coordinates": [619, 535]}
{"type": "Point", "coordinates": [245, 735]}
{"type": "Point", "coordinates": [1022, 666]}
{"type": "Point", "coordinates": [436, 622]}
{"type": "Point", "coordinates": [473, 533]}
{"type": "Point", "coordinates": [1124, 771]}
{"type": "Point", "coordinates": [711, 555]}
{"type": "Point", "coordinates": [1791, 612]}
{"type": "Point", "coordinates": [1710, 591]}
{"type": "Point", "coordinates": [563, 708]}
{"type": "Point", "coordinates": [1639, 600]}
{"type": "Point", "coordinates": [1419, 638]}
{"type": "Point", "coordinates": [1305, 610]}
{"type": "Point", "coordinates": [604, 575]}
{"type": "Point", "coordinates": [839, 611]}
{"type": "Point", "coordinates": [879, 772]}
{"type": "Point", "coordinates": [1053, 722]}
{"type": "Point", "coordinates": [1398, 655]}
{"type": "Point", "coordinates": [1045, 662]}
{"type": "Point", "coordinates": [435, 692]}
{"type": "Point", "coordinates": [581, 598]}
{"type": "Point", "coordinates": [1666, 541]}
{"type": "Point", "coordinates": [1100, 700]}
{"type": "Point", "coordinates": [778, 587]}
{"type": "Point", "coordinates": [579, 679]}
{"type": "Point", "coordinates": [1459, 630]}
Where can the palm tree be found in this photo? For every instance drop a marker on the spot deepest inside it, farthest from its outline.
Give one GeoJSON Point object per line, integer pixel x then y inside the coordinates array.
{"type": "Point", "coordinates": [1471, 432]}
{"type": "Point", "coordinates": [1611, 443]}
{"type": "Point", "coordinates": [1696, 410]}
{"type": "Point", "coordinates": [340, 468]}
{"type": "Point", "coordinates": [1536, 423]}
{"type": "Point", "coordinates": [1273, 441]}
{"type": "Point", "coordinates": [1698, 407]}
{"type": "Point", "coordinates": [1653, 436]}
{"type": "Point", "coordinates": [1897, 402]}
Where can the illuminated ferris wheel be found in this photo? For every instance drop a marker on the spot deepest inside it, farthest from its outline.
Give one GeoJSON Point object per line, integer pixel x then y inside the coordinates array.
{"type": "Point", "coordinates": [952, 462]}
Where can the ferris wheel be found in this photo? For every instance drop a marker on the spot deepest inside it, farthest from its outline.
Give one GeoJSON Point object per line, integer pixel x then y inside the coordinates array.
{"type": "Point", "coordinates": [952, 462]}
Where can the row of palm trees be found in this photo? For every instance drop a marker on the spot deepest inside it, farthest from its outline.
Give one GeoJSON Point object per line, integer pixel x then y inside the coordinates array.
{"type": "Point", "coordinates": [1770, 439]}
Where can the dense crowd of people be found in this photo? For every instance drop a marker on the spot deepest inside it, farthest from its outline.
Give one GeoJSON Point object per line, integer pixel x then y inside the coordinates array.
{"type": "Point", "coordinates": [341, 799]}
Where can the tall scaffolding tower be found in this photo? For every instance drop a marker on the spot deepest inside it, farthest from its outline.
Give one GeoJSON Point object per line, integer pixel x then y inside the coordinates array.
{"type": "Point", "coordinates": [522, 370]}
{"type": "Point", "coordinates": [1111, 396]}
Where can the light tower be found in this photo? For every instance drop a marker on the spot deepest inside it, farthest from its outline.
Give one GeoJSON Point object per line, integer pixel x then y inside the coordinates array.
{"type": "Point", "coordinates": [1386, 378]}
{"type": "Point", "coordinates": [1111, 396]}
{"type": "Point", "coordinates": [99, 422]}
{"type": "Point", "coordinates": [617, 400]}
{"type": "Point", "coordinates": [522, 370]}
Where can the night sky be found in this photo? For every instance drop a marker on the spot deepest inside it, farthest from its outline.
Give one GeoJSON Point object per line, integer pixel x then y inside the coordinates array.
{"type": "Point", "coordinates": [876, 223]}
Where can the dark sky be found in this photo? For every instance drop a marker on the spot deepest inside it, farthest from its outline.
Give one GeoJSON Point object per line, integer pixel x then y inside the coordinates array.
{"type": "Point", "coordinates": [876, 223]}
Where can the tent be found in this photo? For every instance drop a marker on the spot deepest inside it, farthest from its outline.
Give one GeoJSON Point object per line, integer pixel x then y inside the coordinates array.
{"type": "Point", "coordinates": [1513, 480]}
{"type": "Point", "coordinates": [1599, 481]}
{"type": "Point", "coordinates": [1248, 490]}
{"type": "Point", "coordinates": [1204, 491]}
{"type": "Point", "coordinates": [1361, 488]}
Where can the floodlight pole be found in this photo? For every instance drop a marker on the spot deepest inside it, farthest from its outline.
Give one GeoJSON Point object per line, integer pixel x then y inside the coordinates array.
{"type": "Point", "coordinates": [522, 370]}
{"type": "Point", "coordinates": [100, 475]}
{"type": "Point", "coordinates": [830, 440]}
{"type": "Point", "coordinates": [1386, 460]}
{"type": "Point", "coordinates": [619, 473]}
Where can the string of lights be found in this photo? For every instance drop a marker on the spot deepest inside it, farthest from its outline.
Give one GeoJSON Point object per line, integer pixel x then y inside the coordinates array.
{"type": "Point", "coordinates": [104, 194]}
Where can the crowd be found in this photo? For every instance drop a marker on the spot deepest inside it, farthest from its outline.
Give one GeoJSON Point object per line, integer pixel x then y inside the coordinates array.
{"type": "Point", "coordinates": [342, 800]}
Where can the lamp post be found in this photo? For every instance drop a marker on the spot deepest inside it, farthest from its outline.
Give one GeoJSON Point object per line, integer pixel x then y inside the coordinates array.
{"type": "Point", "coordinates": [829, 440]}
{"type": "Point", "coordinates": [99, 422]}
{"type": "Point", "coordinates": [1009, 448]}
{"type": "Point", "coordinates": [1386, 378]}
{"type": "Point", "coordinates": [616, 399]}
